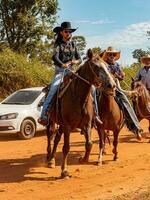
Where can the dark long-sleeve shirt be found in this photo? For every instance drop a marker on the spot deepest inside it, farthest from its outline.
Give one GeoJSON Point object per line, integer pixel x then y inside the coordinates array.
{"type": "Point", "coordinates": [65, 52]}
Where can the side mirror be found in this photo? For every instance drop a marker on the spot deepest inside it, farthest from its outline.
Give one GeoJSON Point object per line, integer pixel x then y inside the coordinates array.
{"type": "Point", "coordinates": [40, 103]}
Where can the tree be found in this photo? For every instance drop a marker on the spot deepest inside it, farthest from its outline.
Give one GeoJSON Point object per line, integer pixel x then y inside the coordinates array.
{"type": "Point", "coordinates": [97, 50]}
{"type": "Point", "coordinates": [80, 43]}
{"type": "Point", "coordinates": [138, 53]}
{"type": "Point", "coordinates": [26, 25]}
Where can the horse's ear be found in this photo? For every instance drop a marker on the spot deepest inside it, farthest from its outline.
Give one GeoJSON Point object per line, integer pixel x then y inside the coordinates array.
{"type": "Point", "coordinates": [132, 79]}
{"type": "Point", "coordinates": [89, 53]}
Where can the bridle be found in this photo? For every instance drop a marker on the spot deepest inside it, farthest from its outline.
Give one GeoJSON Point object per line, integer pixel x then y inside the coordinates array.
{"type": "Point", "coordinates": [83, 79]}
{"type": "Point", "coordinates": [95, 75]}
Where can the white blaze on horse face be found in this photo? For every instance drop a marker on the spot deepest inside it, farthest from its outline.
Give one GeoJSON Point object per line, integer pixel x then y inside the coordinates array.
{"type": "Point", "coordinates": [108, 78]}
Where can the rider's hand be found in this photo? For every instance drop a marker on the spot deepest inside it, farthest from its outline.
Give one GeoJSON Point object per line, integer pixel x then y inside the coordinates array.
{"type": "Point", "coordinates": [74, 62]}
{"type": "Point", "coordinates": [66, 65]}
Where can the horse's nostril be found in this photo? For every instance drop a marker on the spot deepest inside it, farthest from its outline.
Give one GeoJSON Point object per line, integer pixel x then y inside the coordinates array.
{"type": "Point", "coordinates": [114, 86]}
{"type": "Point", "coordinates": [109, 85]}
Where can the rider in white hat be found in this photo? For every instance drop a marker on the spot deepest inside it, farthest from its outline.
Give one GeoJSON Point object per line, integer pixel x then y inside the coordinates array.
{"type": "Point", "coordinates": [144, 73]}
{"type": "Point", "coordinates": [110, 56]}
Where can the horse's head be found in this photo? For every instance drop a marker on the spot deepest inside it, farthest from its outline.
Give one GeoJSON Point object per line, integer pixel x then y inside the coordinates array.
{"type": "Point", "coordinates": [97, 71]}
{"type": "Point", "coordinates": [137, 86]}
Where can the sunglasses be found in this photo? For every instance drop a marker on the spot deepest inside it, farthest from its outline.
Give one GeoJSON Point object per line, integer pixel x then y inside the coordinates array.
{"type": "Point", "coordinates": [67, 31]}
{"type": "Point", "coordinates": [112, 54]}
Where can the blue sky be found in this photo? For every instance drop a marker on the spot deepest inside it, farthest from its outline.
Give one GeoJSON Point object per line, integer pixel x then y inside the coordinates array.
{"type": "Point", "coordinates": [119, 23]}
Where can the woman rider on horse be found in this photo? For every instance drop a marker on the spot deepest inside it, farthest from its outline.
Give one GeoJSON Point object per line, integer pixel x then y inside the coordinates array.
{"type": "Point", "coordinates": [65, 56]}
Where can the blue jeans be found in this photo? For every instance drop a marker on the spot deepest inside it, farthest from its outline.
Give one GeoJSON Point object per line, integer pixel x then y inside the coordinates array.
{"type": "Point", "coordinates": [95, 99]}
{"type": "Point", "coordinates": [58, 79]}
{"type": "Point", "coordinates": [130, 117]}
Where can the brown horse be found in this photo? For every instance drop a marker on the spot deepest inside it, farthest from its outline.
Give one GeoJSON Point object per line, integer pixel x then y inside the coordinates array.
{"type": "Point", "coordinates": [141, 102]}
{"type": "Point", "coordinates": [76, 108]}
{"type": "Point", "coordinates": [112, 118]}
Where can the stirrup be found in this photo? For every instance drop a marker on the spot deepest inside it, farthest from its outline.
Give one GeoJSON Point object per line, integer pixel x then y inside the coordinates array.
{"type": "Point", "coordinates": [43, 122]}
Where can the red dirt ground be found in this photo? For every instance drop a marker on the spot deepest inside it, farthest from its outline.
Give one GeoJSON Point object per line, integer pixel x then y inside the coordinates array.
{"type": "Point", "coordinates": [24, 175]}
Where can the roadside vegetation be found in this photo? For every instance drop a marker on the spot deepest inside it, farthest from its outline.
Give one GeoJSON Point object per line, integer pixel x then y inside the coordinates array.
{"type": "Point", "coordinates": [26, 30]}
{"type": "Point", "coordinates": [17, 72]}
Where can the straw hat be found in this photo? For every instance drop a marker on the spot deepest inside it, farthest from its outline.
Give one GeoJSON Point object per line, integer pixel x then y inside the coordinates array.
{"type": "Point", "coordinates": [110, 50]}
{"type": "Point", "coordinates": [145, 59]}
{"type": "Point", "coordinates": [64, 25]}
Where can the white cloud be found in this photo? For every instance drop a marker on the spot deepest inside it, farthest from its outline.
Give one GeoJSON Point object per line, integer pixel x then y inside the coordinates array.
{"type": "Point", "coordinates": [101, 21]}
{"type": "Point", "coordinates": [131, 37]}
{"type": "Point", "coordinates": [82, 21]}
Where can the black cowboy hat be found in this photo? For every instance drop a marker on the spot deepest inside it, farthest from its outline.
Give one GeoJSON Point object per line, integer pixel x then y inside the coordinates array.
{"type": "Point", "coordinates": [64, 25]}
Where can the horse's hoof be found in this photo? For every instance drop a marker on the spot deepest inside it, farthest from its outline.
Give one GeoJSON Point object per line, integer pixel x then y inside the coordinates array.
{"type": "Point", "coordinates": [51, 164]}
{"type": "Point", "coordinates": [83, 160]}
{"type": "Point", "coordinates": [115, 158]}
{"type": "Point", "coordinates": [99, 163]}
{"type": "Point", "coordinates": [65, 174]}
{"type": "Point", "coordinates": [114, 151]}
{"type": "Point", "coordinates": [104, 153]}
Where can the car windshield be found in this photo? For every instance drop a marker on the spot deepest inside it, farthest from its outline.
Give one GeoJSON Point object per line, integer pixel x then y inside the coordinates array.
{"type": "Point", "coordinates": [25, 97]}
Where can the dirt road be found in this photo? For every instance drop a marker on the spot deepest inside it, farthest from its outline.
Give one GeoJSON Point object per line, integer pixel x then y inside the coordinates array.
{"type": "Point", "coordinates": [24, 176]}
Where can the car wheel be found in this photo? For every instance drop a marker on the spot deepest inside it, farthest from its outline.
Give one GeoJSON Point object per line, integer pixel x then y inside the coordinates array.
{"type": "Point", "coordinates": [27, 130]}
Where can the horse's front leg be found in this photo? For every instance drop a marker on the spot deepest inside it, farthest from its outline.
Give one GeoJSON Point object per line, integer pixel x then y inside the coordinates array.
{"type": "Point", "coordinates": [115, 144]}
{"type": "Point", "coordinates": [50, 133]}
{"type": "Point", "coordinates": [101, 134]}
{"type": "Point", "coordinates": [56, 141]}
{"type": "Point", "coordinates": [88, 145]}
{"type": "Point", "coordinates": [65, 150]}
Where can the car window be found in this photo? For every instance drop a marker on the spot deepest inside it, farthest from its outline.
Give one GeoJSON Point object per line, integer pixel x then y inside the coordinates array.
{"type": "Point", "coordinates": [25, 97]}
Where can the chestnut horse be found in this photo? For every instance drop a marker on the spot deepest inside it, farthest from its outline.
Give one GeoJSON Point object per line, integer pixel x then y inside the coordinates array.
{"type": "Point", "coordinates": [76, 108]}
{"type": "Point", "coordinates": [141, 102]}
{"type": "Point", "coordinates": [112, 118]}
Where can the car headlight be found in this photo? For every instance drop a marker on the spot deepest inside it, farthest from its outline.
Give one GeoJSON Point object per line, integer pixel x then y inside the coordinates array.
{"type": "Point", "coordinates": [9, 116]}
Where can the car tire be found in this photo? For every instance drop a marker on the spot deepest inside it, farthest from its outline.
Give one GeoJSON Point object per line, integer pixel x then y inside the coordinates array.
{"type": "Point", "coordinates": [27, 130]}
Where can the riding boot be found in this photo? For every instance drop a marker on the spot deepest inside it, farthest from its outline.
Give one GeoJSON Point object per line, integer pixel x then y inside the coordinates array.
{"type": "Point", "coordinates": [138, 133]}
{"type": "Point", "coordinates": [43, 120]}
{"type": "Point", "coordinates": [96, 120]}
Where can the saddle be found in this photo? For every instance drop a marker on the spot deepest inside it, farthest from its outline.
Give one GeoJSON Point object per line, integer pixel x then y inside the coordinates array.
{"type": "Point", "coordinates": [55, 104]}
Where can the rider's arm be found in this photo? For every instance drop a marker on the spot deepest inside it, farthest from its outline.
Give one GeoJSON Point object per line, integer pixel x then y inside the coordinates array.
{"type": "Point", "coordinates": [56, 55]}
{"type": "Point", "coordinates": [77, 58]}
{"type": "Point", "coordinates": [138, 75]}
{"type": "Point", "coordinates": [119, 72]}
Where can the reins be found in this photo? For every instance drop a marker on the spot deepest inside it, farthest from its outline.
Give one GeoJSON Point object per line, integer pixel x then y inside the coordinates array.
{"type": "Point", "coordinates": [83, 79]}
{"type": "Point", "coordinates": [78, 76]}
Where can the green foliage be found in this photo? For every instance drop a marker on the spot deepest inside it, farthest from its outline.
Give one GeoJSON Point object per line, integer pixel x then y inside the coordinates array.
{"type": "Point", "coordinates": [26, 26]}
{"type": "Point", "coordinates": [138, 53]}
{"type": "Point", "coordinates": [16, 72]}
{"type": "Point", "coordinates": [80, 43]}
{"type": "Point", "coordinates": [130, 72]}
{"type": "Point", "coordinates": [97, 50]}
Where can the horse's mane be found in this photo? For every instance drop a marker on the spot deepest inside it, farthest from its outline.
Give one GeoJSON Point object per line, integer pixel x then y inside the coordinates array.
{"type": "Point", "coordinates": [142, 89]}
{"type": "Point", "coordinates": [144, 96]}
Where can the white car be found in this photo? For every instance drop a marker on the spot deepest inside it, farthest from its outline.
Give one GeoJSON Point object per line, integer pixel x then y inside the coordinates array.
{"type": "Point", "coordinates": [20, 111]}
